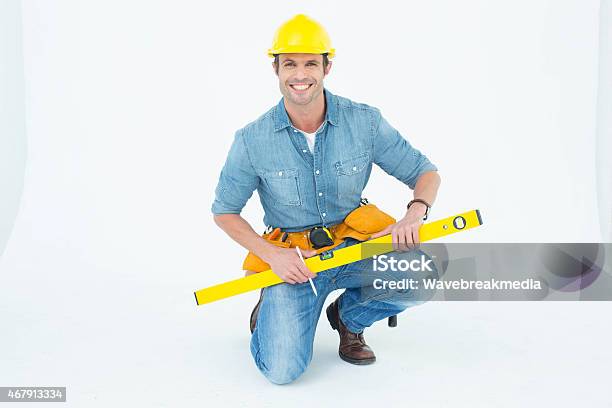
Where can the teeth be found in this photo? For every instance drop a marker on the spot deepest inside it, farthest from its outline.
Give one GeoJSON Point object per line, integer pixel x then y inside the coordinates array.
{"type": "Point", "coordinates": [300, 87]}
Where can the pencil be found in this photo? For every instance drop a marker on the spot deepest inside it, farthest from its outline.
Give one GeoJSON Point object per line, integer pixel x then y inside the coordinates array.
{"type": "Point", "coordinates": [309, 279]}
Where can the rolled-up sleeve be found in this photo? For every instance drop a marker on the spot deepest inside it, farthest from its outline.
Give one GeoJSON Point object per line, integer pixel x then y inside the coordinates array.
{"type": "Point", "coordinates": [237, 181]}
{"type": "Point", "coordinates": [396, 156]}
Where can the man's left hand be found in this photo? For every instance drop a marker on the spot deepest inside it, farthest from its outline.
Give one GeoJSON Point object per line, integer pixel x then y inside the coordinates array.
{"type": "Point", "coordinates": [405, 232]}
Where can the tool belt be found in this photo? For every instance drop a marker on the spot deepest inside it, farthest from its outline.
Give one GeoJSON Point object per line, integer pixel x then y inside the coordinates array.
{"type": "Point", "coordinates": [359, 224]}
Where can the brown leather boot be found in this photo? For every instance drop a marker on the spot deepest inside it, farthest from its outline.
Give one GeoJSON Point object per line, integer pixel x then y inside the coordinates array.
{"type": "Point", "coordinates": [353, 348]}
{"type": "Point", "coordinates": [255, 312]}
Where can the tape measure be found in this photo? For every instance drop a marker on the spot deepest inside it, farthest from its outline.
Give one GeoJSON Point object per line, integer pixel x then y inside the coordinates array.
{"type": "Point", "coordinates": [320, 237]}
{"type": "Point", "coordinates": [334, 258]}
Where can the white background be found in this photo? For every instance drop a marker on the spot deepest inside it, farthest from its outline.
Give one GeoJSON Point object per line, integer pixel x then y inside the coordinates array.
{"type": "Point", "coordinates": [130, 108]}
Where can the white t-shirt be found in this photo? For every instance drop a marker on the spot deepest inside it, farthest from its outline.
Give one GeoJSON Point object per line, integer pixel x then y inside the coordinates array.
{"type": "Point", "coordinates": [310, 139]}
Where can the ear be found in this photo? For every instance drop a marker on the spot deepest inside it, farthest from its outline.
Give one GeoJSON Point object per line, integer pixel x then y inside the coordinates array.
{"type": "Point", "coordinates": [274, 68]}
{"type": "Point", "coordinates": [328, 68]}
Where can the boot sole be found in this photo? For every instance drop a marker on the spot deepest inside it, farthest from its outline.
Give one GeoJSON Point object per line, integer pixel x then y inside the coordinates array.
{"type": "Point", "coordinates": [255, 313]}
{"type": "Point", "coordinates": [332, 321]}
{"type": "Point", "coordinates": [366, 361]}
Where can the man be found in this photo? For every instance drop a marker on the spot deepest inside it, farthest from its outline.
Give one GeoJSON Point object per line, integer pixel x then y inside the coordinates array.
{"type": "Point", "coordinates": [310, 158]}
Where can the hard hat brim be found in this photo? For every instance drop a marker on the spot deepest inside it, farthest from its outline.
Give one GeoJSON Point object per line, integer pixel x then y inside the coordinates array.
{"type": "Point", "coordinates": [301, 50]}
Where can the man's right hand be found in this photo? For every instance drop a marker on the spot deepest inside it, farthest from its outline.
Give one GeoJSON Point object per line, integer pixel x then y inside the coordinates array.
{"type": "Point", "coordinates": [286, 263]}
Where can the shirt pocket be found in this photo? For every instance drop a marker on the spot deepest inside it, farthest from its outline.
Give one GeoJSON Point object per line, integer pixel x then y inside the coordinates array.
{"type": "Point", "coordinates": [284, 186]}
{"type": "Point", "coordinates": [351, 173]}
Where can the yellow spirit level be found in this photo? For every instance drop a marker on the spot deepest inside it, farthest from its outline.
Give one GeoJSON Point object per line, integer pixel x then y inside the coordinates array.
{"type": "Point", "coordinates": [334, 258]}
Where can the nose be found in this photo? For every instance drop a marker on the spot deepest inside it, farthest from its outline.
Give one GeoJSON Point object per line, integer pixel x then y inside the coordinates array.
{"type": "Point", "coordinates": [300, 75]}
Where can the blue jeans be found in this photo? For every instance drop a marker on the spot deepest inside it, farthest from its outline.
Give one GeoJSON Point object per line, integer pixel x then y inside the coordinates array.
{"type": "Point", "coordinates": [282, 342]}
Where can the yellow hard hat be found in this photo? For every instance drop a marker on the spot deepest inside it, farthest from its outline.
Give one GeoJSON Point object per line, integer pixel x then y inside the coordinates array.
{"type": "Point", "coordinates": [301, 35]}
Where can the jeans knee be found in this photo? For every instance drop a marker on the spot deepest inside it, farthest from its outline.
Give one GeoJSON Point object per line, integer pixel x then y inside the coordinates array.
{"type": "Point", "coordinates": [279, 365]}
{"type": "Point", "coordinates": [405, 303]}
{"type": "Point", "coordinates": [399, 300]}
{"type": "Point", "coordinates": [283, 372]}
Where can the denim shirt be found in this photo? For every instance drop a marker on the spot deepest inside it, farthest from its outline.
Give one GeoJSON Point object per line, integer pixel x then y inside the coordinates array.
{"type": "Point", "coordinates": [298, 189]}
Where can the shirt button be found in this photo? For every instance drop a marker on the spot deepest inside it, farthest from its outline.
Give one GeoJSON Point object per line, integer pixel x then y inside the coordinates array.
{"type": "Point", "coordinates": [304, 151]}
{"type": "Point", "coordinates": [280, 173]}
{"type": "Point", "coordinates": [294, 131]}
{"type": "Point", "coordinates": [354, 168]}
{"type": "Point", "coordinates": [320, 194]}
{"type": "Point", "coordinates": [317, 171]}
{"type": "Point", "coordinates": [324, 214]}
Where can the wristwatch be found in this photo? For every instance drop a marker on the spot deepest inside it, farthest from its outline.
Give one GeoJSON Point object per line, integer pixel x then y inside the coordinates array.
{"type": "Point", "coordinates": [419, 200]}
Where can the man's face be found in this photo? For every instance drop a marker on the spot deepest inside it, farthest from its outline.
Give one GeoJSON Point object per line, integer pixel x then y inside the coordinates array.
{"type": "Point", "coordinates": [300, 77]}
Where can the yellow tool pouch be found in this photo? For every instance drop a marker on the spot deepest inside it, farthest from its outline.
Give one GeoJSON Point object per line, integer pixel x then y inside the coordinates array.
{"type": "Point", "coordinates": [360, 224]}
{"type": "Point", "coordinates": [368, 219]}
{"type": "Point", "coordinates": [253, 263]}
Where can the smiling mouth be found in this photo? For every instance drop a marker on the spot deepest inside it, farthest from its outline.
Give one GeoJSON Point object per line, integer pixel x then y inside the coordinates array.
{"type": "Point", "coordinates": [300, 87]}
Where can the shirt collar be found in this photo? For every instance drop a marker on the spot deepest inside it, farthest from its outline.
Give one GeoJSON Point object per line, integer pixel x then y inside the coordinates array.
{"type": "Point", "coordinates": [281, 119]}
